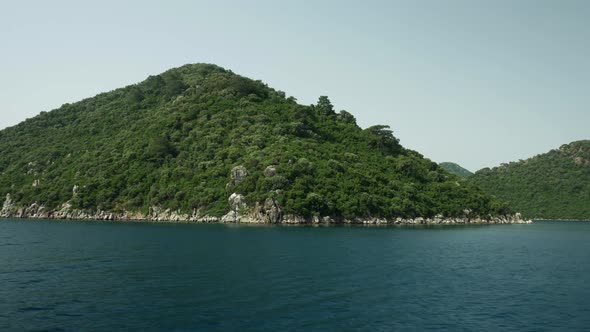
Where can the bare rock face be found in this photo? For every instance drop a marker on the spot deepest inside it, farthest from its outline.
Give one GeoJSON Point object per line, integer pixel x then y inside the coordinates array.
{"type": "Point", "coordinates": [238, 174]}
{"type": "Point", "coordinates": [293, 219]}
{"type": "Point", "coordinates": [237, 204]}
{"type": "Point", "coordinates": [65, 210]}
{"type": "Point", "coordinates": [231, 216]}
{"type": "Point", "coordinates": [8, 207]}
{"type": "Point", "coordinates": [272, 211]}
{"type": "Point", "coordinates": [35, 211]}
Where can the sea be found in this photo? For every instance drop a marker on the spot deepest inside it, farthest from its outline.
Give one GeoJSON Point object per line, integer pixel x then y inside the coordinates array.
{"type": "Point", "coordinates": [134, 276]}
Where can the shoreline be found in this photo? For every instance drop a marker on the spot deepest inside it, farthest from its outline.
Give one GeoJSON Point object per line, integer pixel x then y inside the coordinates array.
{"type": "Point", "coordinates": [231, 218]}
{"type": "Point", "coordinates": [572, 220]}
{"type": "Point", "coordinates": [269, 213]}
{"type": "Point", "coordinates": [262, 224]}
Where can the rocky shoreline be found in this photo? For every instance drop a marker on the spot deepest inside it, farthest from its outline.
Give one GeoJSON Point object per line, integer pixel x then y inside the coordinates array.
{"type": "Point", "coordinates": [267, 213]}
{"type": "Point", "coordinates": [549, 219]}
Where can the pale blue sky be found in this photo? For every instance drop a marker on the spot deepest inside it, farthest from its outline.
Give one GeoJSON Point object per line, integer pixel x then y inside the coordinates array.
{"type": "Point", "coordinates": [475, 82]}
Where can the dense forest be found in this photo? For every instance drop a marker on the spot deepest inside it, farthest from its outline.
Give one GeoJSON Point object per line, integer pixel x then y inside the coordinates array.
{"type": "Point", "coordinates": [456, 169]}
{"type": "Point", "coordinates": [554, 185]}
{"type": "Point", "coordinates": [188, 138]}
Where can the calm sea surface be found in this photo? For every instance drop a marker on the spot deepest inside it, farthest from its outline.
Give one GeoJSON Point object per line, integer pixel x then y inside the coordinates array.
{"type": "Point", "coordinates": [98, 276]}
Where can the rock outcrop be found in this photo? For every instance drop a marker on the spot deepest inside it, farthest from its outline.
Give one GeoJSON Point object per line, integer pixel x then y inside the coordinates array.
{"type": "Point", "coordinates": [237, 205]}
{"type": "Point", "coordinates": [270, 171]}
{"type": "Point", "coordinates": [7, 207]}
{"type": "Point", "coordinates": [238, 174]}
{"type": "Point", "coordinates": [272, 211]}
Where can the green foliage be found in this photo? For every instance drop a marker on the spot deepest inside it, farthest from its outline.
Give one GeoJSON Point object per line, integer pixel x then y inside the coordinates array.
{"type": "Point", "coordinates": [381, 137]}
{"type": "Point", "coordinates": [554, 185]}
{"type": "Point", "coordinates": [173, 84]}
{"type": "Point", "coordinates": [456, 169]}
{"type": "Point", "coordinates": [324, 106]}
{"type": "Point", "coordinates": [172, 141]}
{"type": "Point", "coordinates": [159, 148]}
{"type": "Point", "coordinates": [346, 117]}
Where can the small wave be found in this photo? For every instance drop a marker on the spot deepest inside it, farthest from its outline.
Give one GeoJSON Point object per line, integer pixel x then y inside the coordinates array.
{"type": "Point", "coordinates": [65, 314]}
{"type": "Point", "coordinates": [32, 281]}
{"type": "Point", "coordinates": [53, 329]}
{"type": "Point", "coordinates": [33, 309]}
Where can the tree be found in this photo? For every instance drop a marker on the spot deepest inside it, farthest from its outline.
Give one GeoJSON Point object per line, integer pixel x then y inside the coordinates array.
{"type": "Point", "coordinates": [154, 84]}
{"type": "Point", "coordinates": [174, 84]}
{"type": "Point", "coordinates": [324, 106]}
{"type": "Point", "coordinates": [381, 137]}
{"type": "Point", "coordinates": [134, 95]}
{"type": "Point", "coordinates": [344, 116]}
{"type": "Point", "coordinates": [160, 147]}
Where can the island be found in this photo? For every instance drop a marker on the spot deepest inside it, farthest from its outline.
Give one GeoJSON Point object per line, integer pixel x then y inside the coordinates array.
{"type": "Point", "coordinates": [200, 143]}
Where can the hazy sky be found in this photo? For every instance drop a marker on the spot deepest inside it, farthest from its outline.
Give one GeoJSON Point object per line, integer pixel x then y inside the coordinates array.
{"type": "Point", "coordinates": [474, 82]}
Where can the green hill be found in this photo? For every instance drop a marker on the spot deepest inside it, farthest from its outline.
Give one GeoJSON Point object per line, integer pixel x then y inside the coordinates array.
{"type": "Point", "coordinates": [180, 144]}
{"type": "Point", "coordinates": [456, 169]}
{"type": "Point", "coordinates": [554, 185]}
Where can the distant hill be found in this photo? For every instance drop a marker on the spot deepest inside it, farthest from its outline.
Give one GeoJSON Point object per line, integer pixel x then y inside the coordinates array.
{"type": "Point", "coordinates": [199, 140]}
{"type": "Point", "coordinates": [456, 169]}
{"type": "Point", "coordinates": [554, 185]}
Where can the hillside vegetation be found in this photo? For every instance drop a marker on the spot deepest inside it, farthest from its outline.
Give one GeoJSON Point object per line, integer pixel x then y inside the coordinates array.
{"type": "Point", "coordinates": [554, 185]}
{"type": "Point", "coordinates": [456, 169]}
{"type": "Point", "coordinates": [187, 139]}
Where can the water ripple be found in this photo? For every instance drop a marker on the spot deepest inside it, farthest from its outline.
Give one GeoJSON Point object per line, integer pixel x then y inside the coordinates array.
{"type": "Point", "coordinates": [29, 309]}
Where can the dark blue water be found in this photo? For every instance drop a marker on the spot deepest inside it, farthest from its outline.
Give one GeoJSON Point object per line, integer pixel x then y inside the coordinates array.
{"type": "Point", "coordinates": [95, 276]}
